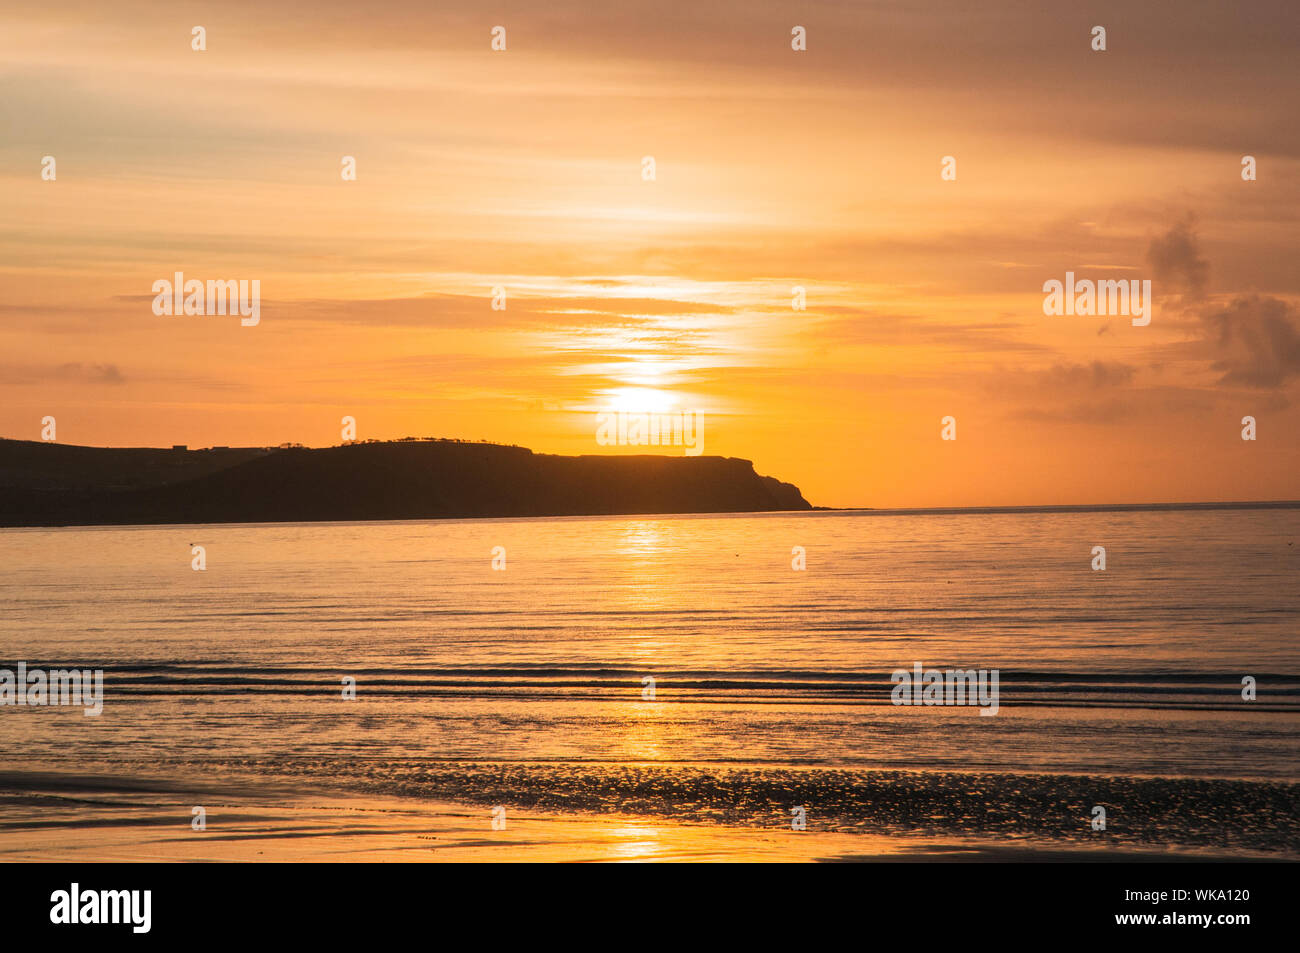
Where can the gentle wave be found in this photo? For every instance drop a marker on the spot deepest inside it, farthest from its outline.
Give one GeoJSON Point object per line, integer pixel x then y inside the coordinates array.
{"type": "Point", "coordinates": [1276, 692]}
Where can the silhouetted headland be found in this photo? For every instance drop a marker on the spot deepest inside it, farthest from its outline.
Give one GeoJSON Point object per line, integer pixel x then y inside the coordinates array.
{"type": "Point", "coordinates": [50, 484]}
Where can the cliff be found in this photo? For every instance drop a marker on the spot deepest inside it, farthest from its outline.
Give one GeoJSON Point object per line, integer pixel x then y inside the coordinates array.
{"type": "Point", "coordinates": [45, 484]}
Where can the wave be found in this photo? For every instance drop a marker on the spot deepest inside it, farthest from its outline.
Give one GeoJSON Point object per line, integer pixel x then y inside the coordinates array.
{"type": "Point", "coordinates": [1276, 692]}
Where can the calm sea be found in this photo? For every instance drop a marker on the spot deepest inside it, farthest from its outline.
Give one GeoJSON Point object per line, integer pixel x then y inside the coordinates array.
{"type": "Point", "coordinates": [527, 683]}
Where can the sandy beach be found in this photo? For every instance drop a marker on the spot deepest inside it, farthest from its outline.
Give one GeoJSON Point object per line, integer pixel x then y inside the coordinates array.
{"type": "Point", "coordinates": [53, 817]}
{"type": "Point", "coordinates": [59, 818]}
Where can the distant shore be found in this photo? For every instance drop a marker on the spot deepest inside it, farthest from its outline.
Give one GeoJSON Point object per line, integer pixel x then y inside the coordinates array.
{"type": "Point", "coordinates": [1066, 508]}
{"type": "Point", "coordinates": [49, 484]}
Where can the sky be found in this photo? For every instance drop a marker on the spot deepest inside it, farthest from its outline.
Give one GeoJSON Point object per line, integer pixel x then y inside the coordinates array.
{"type": "Point", "coordinates": [523, 169]}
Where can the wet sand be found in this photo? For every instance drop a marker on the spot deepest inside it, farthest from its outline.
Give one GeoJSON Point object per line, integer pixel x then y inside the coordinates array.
{"type": "Point", "coordinates": [60, 818]}
{"type": "Point", "coordinates": [48, 817]}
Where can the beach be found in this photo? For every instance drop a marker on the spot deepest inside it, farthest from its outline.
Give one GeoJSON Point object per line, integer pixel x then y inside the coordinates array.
{"type": "Point", "coordinates": [99, 824]}
{"type": "Point", "coordinates": [60, 818]}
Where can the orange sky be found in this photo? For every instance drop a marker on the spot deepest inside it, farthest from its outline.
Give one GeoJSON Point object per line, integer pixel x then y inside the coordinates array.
{"type": "Point", "coordinates": [774, 169]}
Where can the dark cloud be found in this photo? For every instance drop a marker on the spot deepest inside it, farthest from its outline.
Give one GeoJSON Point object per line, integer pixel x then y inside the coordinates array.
{"type": "Point", "coordinates": [1252, 341]}
{"type": "Point", "coordinates": [1177, 261]}
{"type": "Point", "coordinates": [1256, 341]}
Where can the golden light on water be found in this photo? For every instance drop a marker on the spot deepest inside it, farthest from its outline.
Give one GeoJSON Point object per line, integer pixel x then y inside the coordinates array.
{"type": "Point", "coordinates": [636, 842]}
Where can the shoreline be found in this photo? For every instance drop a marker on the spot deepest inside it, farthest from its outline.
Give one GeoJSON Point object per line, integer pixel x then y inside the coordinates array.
{"type": "Point", "coordinates": [66, 817]}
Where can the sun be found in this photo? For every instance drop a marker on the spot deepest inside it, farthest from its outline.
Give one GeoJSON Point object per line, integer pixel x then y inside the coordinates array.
{"type": "Point", "coordinates": [639, 400]}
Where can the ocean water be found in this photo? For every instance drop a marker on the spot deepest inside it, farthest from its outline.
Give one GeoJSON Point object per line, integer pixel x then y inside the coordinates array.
{"type": "Point", "coordinates": [771, 685]}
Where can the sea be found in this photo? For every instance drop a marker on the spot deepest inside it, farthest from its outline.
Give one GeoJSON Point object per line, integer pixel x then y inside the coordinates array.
{"type": "Point", "coordinates": [716, 669]}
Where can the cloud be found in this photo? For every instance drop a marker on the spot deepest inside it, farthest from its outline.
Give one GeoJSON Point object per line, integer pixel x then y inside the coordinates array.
{"type": "Point", "coordinates": [1253, 340]}
{"type": "Point", "coordinates": [96, 373]}
{"type": "Point", "coordinates": [1092, 392]}
{"type": "Point", "coordinates": [1177, 261]}
{"type": "Point", "coordinates": [1091, 376]}
{"type": "Point", "coordinates": [72, 371]}
{"type": "Point", "coordinates": [1257, 342]}
{"type": "Point", "coordinates": [474, 312]}
{"type": "Point", "coordinates": [1063, 381]}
